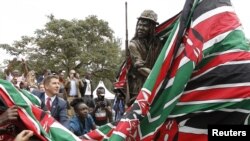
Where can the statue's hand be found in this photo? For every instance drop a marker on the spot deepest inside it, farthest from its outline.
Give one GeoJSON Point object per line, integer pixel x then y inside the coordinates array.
{"type": "Point", "coordinates": [139, 63]}
{"type": "Point", "coordinates": [144, 71]}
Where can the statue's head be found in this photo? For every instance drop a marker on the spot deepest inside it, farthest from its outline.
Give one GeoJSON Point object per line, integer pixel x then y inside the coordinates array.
{"type": "Point", "coordinates": [150, 15]}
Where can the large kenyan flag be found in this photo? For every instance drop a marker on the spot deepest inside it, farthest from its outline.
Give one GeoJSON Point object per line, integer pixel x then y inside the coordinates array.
{"type": "Point", "coordinates": [44, 126]}
{"type": "Point", "coordinates": [200, 78]}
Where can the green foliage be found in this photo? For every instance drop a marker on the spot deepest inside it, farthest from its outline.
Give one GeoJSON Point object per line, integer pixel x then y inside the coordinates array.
{"type": "Point", "coordinates": [83, 45]}
{"type": "Point", "coordinates": [2, 76]}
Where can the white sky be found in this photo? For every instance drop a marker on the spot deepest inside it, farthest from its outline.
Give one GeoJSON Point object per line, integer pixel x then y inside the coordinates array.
{"type": "Point", "coordinates": [23, 17]}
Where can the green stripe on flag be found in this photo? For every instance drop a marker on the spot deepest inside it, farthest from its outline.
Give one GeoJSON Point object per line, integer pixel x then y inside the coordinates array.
{"type": "Point", "coordinates": [105, 128]}
{"type": "Point", "coordinates": [60, 133]}
{"type": "Point", "coordinates": [170, 95]}
{"type": "Point", "coordinates": [186, 109]}
{"type": "Point", "coordinates": [159, 62]}
{"type": "Point", "coordinates": [115, 137]}
{"type": "Point", "coordinates": [235, 40]}
{"type": "Point", "coordinates": [35, 100]}
{"type": "Point", "coordinates": [20, 101]}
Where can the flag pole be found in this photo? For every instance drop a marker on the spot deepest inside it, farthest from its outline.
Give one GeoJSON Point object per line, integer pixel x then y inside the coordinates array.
{"type": "Point", "coordinates": [126, 28]}
{"type": "Point", "coordinates": [126, 51]}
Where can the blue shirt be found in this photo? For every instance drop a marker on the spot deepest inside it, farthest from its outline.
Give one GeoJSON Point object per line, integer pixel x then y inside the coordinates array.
{"type": "Point", "coordinates": [119, 107]}
{"type": "Point", "coordinates": [76, 126]}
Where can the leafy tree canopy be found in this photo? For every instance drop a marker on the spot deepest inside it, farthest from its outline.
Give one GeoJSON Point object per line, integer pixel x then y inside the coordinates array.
{"type": "Point", "coordinates": [83, 45]}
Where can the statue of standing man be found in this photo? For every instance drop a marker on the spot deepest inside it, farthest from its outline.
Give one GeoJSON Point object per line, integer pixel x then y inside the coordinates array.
{"type": "Point", "coordinates": [144, 49]}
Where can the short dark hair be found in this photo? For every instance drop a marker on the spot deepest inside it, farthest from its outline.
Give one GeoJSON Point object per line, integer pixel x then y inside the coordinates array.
{"type": "Point", "coordinates": [76, 102]}
{"type": "Point", "coordinates": [100, 90]}
{"type": "Point", "coordinates": [47, 79]}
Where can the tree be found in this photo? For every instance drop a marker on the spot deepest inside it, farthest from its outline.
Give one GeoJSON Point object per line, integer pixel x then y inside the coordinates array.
{"type": "Point", "coordinates": [83, 45]}
{"type": "Point", "coordinates": [2, 76]}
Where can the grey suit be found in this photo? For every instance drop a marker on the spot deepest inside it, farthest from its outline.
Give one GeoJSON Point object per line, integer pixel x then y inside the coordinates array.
{"type": "Point", "coordinates": [58, 109]}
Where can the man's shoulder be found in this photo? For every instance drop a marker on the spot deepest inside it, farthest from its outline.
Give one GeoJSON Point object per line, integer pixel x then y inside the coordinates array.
{"type": "Point", "coordinates": [73, 119]}
{"type": "Point", "coordinates": [89, 118]}
{"type": "Point", "coordinates": [61, 101]}
{"type": "Point", "coordinates": [35, 92]}
{"type": "Point", "coordinates": [39, 94]}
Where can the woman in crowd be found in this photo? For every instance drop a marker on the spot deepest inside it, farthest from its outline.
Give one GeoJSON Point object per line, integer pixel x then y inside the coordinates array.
{"type": "Point", "coordinates": [82, 122]}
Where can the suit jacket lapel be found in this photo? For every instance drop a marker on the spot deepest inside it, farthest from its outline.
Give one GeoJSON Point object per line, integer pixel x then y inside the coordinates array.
{"type": "Point", "coordinates": [42, 98]}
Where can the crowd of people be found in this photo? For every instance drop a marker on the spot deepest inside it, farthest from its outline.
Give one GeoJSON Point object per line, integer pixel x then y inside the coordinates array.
{"type": "Point", "coordinates": [69, 99]}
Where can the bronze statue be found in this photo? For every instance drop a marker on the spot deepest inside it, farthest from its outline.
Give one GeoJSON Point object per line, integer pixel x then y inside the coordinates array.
{"type": "Point", "coordinates": [144, 49]}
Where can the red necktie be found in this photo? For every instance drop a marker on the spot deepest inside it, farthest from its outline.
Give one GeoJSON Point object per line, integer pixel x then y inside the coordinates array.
{"type": "Point", "coordinates": [48, 103]}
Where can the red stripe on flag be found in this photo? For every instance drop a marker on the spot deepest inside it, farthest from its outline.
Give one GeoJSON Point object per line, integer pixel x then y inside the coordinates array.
{"type": "Point", "coordinates": [122, 78]}
{"type": "Point", "coordinates": [95, 135]}
{"type": "Point", "coordinates": [176, 64]}
{"type": "Point", "coordinates": [167, 23]}
{"type": "Point", "coordinates": [29, 124]}
{"type": "Point", "coordinates": [46, 120]}
{"type": "Point", "coordinates": [168, 130]}
{"type": "Point", "coordinates": [221, 59]}
{"type": "Point", "coordinates": [213, 31]}
{"type": "Point", "coordinates": [192, 137]}
{"type": "Point", "coordinates": [6, 98]}
{"type": "Point", "coordinates": [163, 71]}
{"type": "Point", "coordinates": [24, 118]}
{"type": "Point", "coordinates": [217, 24]}
{"type": "Point", "coordinates": [217, 94]}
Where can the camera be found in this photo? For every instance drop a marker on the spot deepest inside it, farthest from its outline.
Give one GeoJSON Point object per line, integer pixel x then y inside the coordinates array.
{"type": "Point", "coordinates": [102, 102]}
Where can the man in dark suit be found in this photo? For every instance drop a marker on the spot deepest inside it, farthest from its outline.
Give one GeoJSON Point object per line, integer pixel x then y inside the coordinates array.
{"type": "Point", "coordinates": [51, 102]}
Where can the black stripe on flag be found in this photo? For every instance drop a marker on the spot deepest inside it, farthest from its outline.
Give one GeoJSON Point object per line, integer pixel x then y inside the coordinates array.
{"type": "Point", "coordinates": [208, 5]}
{"type": "Point", "coordinates": [226, 74]}
{"type": "Point", "coordinates": [202, 120]}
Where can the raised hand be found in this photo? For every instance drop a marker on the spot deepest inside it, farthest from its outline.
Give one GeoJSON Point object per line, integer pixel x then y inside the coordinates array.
{"type": "Point", "coordinates": [10, 114]}
{"type": "Point", "coordinates": [24, 135]}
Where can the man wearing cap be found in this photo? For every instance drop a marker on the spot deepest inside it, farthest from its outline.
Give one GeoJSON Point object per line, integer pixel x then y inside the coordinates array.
{"type": "Point", "coordinates": [144, 49]}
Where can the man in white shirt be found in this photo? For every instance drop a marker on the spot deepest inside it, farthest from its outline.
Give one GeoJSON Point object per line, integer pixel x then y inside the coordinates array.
{"type": "Point", "coordinates": [72, 87]}
{"type": "Point", "coordinates": [87, 91]}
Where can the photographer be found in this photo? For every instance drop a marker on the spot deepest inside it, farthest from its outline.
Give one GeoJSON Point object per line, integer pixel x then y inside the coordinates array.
{"type": "Point", "coordinates": [102, 112]}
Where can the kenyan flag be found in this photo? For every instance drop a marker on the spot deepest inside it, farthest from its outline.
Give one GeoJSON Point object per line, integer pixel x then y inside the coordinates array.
{"type": "Point", "coordinates": [201, 77]}
{"type": "Point", "coordinates": [44, 126]}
